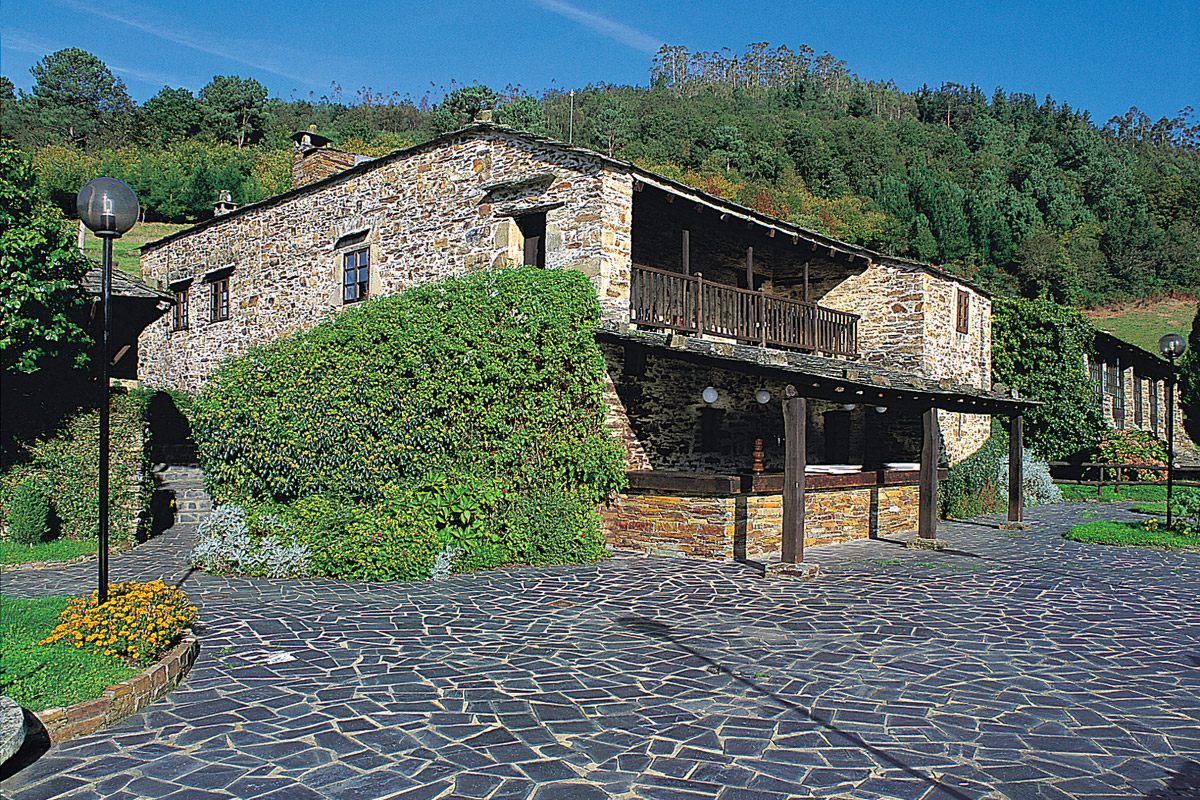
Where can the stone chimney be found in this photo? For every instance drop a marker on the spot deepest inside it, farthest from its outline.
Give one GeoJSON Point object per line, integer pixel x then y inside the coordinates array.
{"type": "Point", "coordinates": [313, 159]}
{"type": "Point", "coordinates": [224, 204]}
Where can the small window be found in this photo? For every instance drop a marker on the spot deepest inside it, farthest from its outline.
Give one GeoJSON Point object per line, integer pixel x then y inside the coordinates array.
{"type": "Point", "coordinates": [356, 275]}
{"type": "Point", "coordinates": [179, 316]}
{"type": "Point", "coordinates": [964, 311]}
{"type": "Point", "coordinates": [220, 300]}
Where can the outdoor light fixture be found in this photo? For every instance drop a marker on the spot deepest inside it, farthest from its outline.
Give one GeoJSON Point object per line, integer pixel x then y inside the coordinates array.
{"type": "Point", "coordinates": [880, 409]}
{"type": "Point", "coordinates": [1172, 346]}
{"type": "Point", "coordinates": [108, 208]}
{"type": "Point", "coordinates": [762, 396]}
{"type": "Point", "coordinates": [848, 406]}
{"type": "Point", "coordinates": [709, 394]}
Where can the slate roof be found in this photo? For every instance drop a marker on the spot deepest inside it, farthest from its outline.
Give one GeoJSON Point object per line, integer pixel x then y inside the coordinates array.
{"type": "Point", "coordinates": [828, 378]}
{"type": "Point", "coordinates": [123, 285]}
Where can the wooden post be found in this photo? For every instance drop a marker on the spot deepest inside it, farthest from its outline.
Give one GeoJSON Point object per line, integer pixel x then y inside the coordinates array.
{"type": "Point", "coordinates": [806, 293]}
{"type": "Point", "coordinates": [699, 304]}
{"type": "Point", "coordinates": [794, 423]}
{"type": "Point", "coordinates": [687, 252]}
{"type": "Point", "coordinates": [750, 268]}
{"type": "Point", "coordinates": [1016, 446]}
{"type": "Point", "coordinates": [762, 315]}
{"type": "Point", "coordinates": [927, 508]}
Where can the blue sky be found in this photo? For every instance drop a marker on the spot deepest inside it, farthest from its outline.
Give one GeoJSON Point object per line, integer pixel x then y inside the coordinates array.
{"type": "Point", "coordinates": [1103, 56]}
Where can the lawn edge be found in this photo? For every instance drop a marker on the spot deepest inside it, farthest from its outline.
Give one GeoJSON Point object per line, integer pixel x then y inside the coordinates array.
{"type": "Point", "coordinates": [122, 699]}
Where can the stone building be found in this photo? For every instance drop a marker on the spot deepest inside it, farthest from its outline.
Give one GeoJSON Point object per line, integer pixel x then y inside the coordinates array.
{"type": "Point", "coordinates": [1131, 387]}
{"type": "Point", "coordinates": [683, 278]}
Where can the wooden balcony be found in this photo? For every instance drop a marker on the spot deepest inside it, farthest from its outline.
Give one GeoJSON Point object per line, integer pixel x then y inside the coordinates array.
{"type": "Point", "coordinates": [690, 304]}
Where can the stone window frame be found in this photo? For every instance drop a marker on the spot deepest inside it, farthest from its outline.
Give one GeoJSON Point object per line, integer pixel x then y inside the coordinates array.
{"type": "Point", "coordinates": [355, 241]}
{"type": "Point", "coordinates": [962, 321]}
{"type": "Point", "coordinates": [1154, 406]}
{"type": "Point", "coordinates": [180, 317]}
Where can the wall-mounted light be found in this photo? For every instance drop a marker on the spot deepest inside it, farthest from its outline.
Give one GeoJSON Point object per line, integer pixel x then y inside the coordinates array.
{"type": "Point", "coordinates": [710, 395]}
{"type": "Point", "coordinates": [762, 396]}
{"type": "Point", "coordinates": [880, 409]}
{"type": "Point", "coordinates": [848, 406]}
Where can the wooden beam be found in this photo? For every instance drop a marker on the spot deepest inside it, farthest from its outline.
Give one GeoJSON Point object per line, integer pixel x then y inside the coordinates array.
{"type": "Point", "coordinates": [724, 217]}
{"type": "Point", "coordinates": [794, 423]}
{"type": "Point", "coordinates": [687, 252]}
{"type": "Point", "coordinates": [806, 293]}
{"type": "Point", "coordinates": [1016, 484]}
{"type": "Point", "coordinates": [638, 186]}
{"type": "Point", "coordinates": [927, 504]}
{"type": "Point", "coordinates": [770, 233]}
{"type": "Point", "coordinates": [750, 268]}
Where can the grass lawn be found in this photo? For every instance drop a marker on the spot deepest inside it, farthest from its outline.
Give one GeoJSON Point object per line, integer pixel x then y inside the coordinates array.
{"type": "Point", "coordinates": [59, 550]}
{"type": "Point", "coordinates": [1155, 509]}
{"type": "Point", "coordinates": [125, 249]}
{"type": "Point", "coordinates": [46, 676]}
{"type": "Point", "coordinates": [1131, 534]}
{"type": "Point", "coordinates": [1142, 323]}
{"type": "Point", "coordinates": [1109, 495]}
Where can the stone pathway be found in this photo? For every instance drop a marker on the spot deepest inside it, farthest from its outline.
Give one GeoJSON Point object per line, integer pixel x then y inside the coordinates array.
{"type": "Point", "coordinates": [1016, 665]}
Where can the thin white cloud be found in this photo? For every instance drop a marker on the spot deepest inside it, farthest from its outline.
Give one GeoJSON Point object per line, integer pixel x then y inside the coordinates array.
{"type": "Point", "coordinates": [203, 44]}
{"type": "Point", "coordinates": [610, 28]}
{"type": "Point", "coordinates": [24, 42]}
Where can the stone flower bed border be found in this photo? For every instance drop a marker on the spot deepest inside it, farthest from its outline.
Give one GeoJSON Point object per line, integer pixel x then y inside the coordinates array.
{"type": "Point", "coordinates": [122, 699]}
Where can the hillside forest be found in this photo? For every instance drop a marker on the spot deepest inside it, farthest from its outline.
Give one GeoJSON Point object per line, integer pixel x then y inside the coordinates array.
{"type": "Point", "coordinates": [1025, 197]}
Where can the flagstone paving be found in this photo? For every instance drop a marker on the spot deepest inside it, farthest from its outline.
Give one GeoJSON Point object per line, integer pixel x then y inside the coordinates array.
{"type": "Point", "coordinates": [1014, 665]}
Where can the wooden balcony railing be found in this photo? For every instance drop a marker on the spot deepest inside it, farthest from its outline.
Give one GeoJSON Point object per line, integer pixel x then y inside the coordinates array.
{"type": "Point", "coordinates": [690, 304]}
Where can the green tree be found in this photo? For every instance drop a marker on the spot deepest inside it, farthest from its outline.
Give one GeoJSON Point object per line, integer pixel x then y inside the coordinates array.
{"type": "Point", "coordinates": [40, 295]}
{"type": "Point", "coordinates": [236, 108]}
{"type": "Point", "coordinates": [1038, 348]}
{"type": "Point", "coordinates": [74, 92]}
{"type": "Point", "coordinates": [169, 115]}
{"type": "Point", "coordinates": [1189, 381]}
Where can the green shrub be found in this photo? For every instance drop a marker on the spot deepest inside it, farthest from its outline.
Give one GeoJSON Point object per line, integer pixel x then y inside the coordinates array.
{"type": "Point", "coordinates": [972, 486]}
{"type": "Point", "coordinates": [413, 424]}
{"type": "Point", "coordinates": [375, 548]}
{"type": "Point", "coordinates": [1132, 447]}
{"type": "Point", "coordinates": [495, 373]}
{"type": "Point", "coordinates": [67, 465]}
{"type": "Point", "coordinates": [550, 527]}
{"type": "Point", "coordinates": [1185, 509]}
{"type": "Point", "coordinates": [32, 518]}
{"type": "Point", "coordinates": [1038, 348]}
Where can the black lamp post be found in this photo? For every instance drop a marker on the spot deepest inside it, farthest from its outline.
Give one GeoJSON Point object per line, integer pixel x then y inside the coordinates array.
{"type": "Point", "coordinates": [108, 208]}
{"type": "Point", "coordinates": [1172, 346]}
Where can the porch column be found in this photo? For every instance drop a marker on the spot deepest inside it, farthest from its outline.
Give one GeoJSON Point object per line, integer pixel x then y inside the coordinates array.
{"type": "Point", "coordinates": [794, 422]}
{"type": "Point", "coordinates": [1016, 446]}
{"type": "Point", "coordinates": [927, 504]}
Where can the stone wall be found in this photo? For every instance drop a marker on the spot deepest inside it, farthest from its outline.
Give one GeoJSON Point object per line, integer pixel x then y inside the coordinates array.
{"type": "Point", "coordinates": [750, 525]}
{"type": "Point", "coordinates": [909, 323]}
{"type": "Point", "coordinates": [425, 214]}
{"type": "Point", "coordinates": [1146, 387]}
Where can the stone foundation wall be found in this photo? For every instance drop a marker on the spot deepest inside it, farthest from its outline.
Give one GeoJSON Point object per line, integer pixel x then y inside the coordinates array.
{"type": "Point", "coordinates": [750, 525]}
{"type": "Point", "coordinates": [425, 214]}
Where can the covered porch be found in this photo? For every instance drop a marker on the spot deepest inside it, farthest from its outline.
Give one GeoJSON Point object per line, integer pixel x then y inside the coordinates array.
{"type": "Point", "coordinates": [788, 450]}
